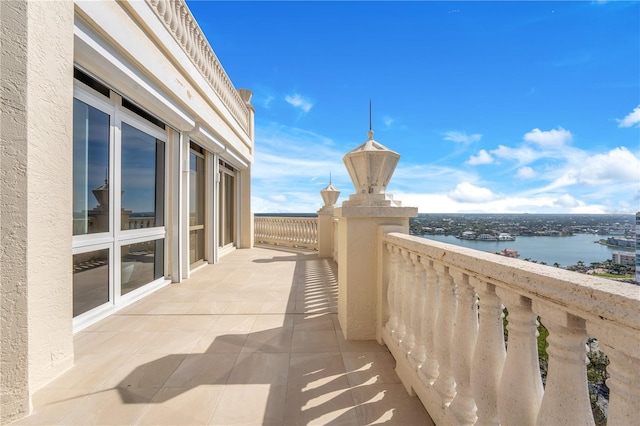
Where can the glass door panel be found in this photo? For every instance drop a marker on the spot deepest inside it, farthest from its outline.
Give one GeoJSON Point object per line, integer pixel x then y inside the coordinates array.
{"type": "Point", "coordinates": [196, 208]}
{"type": "Point", "coordinates": [142, 179]}
{"type": "Point", "coordinates": [90, 280]}
{"type": "Point", "coordinates": [90, 169]}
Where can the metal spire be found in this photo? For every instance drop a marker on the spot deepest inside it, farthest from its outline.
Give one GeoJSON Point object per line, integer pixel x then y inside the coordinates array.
{"type": "Point", "coordinates": [370, 122]}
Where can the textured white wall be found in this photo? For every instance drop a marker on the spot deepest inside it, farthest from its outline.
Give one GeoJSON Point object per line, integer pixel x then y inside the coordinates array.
{"type": "Point", "coordinates": [35, 199]}
{"type": "Point", "coordinates": [49, 183]}
{"type": "Point", "coordinates": [14, 395]}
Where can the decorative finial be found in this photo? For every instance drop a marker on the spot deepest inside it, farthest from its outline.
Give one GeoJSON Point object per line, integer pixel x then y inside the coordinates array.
{"type": "Point", "coordinates": [370, 122]}
{"type": "Point", "coordinates": [329, 178]}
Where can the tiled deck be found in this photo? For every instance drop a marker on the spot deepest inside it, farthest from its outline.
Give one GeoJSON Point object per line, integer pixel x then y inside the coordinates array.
{"type": "Point", "coordinates": [251, 340]}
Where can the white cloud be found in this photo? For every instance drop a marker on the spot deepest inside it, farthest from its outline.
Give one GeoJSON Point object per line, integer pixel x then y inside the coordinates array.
{"type": "Point", "coordinates": [299, 102]}
{"type": "Point", "coordinates": [566, 200]}
{"type": "Point", "coordinates": [632, 119]}
{"type": "Point", "coordinates": [551, 138]}
{"type": "Point", "coordinates": [467, 192]}
{"type": "Point", "coordinates": [462, 137]}
{"type": "Point", "coordinates": [523, 155]}
{"type": "Point", "coordinates": [388, 121]}
{"type": "Point", "coordinates": [617, 165]}
{"type": "Point", "coordinates": [483, 157]}
{"type": "Point", "coordinates": [526, 173]}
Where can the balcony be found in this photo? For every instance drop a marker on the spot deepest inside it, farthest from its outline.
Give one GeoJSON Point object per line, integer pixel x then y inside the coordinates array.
{"type": "Point", "coordinates": [253, 339]}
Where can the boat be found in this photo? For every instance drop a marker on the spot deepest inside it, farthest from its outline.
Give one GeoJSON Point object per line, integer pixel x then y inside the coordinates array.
{"type": "Point", "coordinates": [505, 237]}
{"type": "Point", "coordinates": [467, 235]}
{"type": "Point", "coordinates": [509, 253]}
{"type": "Point", "coordinates": [487, 237]}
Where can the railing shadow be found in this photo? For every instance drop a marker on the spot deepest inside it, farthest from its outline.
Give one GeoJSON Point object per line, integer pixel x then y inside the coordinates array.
{"type": "Point", "coordinates": [308, 379]}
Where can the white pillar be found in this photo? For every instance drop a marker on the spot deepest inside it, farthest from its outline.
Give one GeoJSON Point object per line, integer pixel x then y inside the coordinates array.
{"type": "Point", "coordinates": [358, 247]}
{"type": "Point", "coordinates": [325, 232]}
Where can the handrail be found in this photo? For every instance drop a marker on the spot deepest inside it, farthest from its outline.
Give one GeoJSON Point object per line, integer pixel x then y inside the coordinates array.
{"type": "Point", "coordinates": [442, 321]}
{"type": "Point", "coordinates": [287, 231]}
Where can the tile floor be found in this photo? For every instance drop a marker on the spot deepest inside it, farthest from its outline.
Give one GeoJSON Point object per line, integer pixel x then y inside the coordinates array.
{"type": "Point", "coordinates": [252, 340]}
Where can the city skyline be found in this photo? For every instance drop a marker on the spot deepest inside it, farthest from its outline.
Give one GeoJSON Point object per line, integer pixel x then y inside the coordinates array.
{"type": "Point", "coordinates": [494, 107]}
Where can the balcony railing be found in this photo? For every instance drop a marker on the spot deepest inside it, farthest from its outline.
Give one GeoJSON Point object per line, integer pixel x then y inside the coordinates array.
{"type": "Point", "coordinates": [287, 231]}
{"type": "Point", "coordinates": [443, 322]}
{"type": "Point", "coordinates": [442, 317]}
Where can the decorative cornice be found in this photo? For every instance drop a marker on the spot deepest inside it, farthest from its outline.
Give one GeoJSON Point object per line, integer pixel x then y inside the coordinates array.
{"type": "Point", "coordinates": [177, 18]}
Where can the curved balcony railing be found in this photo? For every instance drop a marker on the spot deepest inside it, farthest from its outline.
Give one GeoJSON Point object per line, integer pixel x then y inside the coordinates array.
{"type": "Point", "coordinates": [443, 322]}
{"type": "Point", "coordinates": [287, 231]}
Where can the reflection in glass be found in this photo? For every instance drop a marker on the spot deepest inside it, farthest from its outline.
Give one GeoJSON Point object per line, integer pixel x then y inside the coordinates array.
{"type": "Point", "coordinates": [90, 280]}
{"type": "Point", "coordinates": [228, 203]}
{"type": "Point", "coordinates": [196, 208]}
{"type": "Point", "coordinates": [141, 264]}
{"type": "Point", "coordinates": [90, 169]}
{"type": "Point", "coordinates": [142, 179]}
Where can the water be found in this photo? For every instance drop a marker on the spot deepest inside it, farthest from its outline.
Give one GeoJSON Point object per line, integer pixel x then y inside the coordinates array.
{"type": "Point", "coordinates": [564, 250]}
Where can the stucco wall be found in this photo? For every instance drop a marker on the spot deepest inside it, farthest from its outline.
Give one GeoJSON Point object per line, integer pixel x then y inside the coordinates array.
{"type": "Point", "coordinates": [14, 395]}
{"type": "Point", "coordinates": [35, 198]}
{"type": "Point", "coordinates": [49, 183]}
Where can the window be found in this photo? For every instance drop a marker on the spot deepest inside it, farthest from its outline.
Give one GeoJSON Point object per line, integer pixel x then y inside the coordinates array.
{"type": "Point", "coordinates": [90, 280]}
{"type": "Point", "coordinates": [227, 200]}
{"type": "Point", "coordinates": [142, 174]}
{"type": "Point", "coordinates": [141, 263]}
{"type": "Point", "coordinates": [118, 199]}
{"type": "Point", "coordinates": [196, 205]}
{"type": "Point", "coordinates": [90, 169]}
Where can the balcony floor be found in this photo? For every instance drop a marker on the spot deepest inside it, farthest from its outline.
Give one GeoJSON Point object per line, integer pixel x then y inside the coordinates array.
{"type": "Point", "coordinates": [251, 340]}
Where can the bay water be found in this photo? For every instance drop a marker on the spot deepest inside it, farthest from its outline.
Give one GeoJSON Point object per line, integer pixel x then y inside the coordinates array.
{"type": "Point", "coordinates": [564, 250]}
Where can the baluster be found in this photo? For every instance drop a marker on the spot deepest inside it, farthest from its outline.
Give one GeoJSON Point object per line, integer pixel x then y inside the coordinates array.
{"type": "Point", "coordinates": [623, 382]}
{"type": "Point", "coordinates": [400, 330]}
{"type": "Point", "coordinates": [520, 390]}
{"type": "Point", "coordinates": [445, 384]}
{"type": "Point", "coordinates": [463, 406]}
{"type": "Point", "coordinates": [417, 355]}
{"type": "Point", "coordinates": [566, 397]}
{"type": "Point", "coordinates": [392, 323]}
{"type": "Point", "coordinates": [489, 353]}
{"type": "Point", "coordinates": [622, 347]}
{"type": "Point", "coordinates": [409, 340]}
{"type": "Point", "coordinates": [429, 368]}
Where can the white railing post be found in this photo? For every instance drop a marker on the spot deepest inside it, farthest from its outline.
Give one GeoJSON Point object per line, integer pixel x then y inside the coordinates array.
{"type": "Point", "coordinates": [392, 323]}
{"type": "Point", "coordinates": [623, 350]}
{"type": "Point", "coordinates": [463, 405]}
{"type": "Point", "coordinates": [401, 329]}
{"type": "Point", "coordinates": [417, 355]}
{"type": "Point", "coordinates": [489, 353]}
{"type": "Point", "coordinates": [429, 369]}
{"type": "Point", "coordinates": [445, 384]}
{"type": "Point", "coordinates": [566, 396]}
{"type": "Point", "coordinates": [520, 390]}
{"type": "Point", "coordinates": [407, 303]}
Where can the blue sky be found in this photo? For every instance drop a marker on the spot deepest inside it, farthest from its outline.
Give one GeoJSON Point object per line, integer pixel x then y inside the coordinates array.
{"type": "Point", "coordinates": [497, 107]}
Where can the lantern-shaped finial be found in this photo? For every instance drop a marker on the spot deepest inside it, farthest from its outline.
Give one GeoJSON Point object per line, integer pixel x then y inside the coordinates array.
{"type": "Point", "coordinates": [330, 194]}
{"type": "Point", "coordinates": [371, 166]}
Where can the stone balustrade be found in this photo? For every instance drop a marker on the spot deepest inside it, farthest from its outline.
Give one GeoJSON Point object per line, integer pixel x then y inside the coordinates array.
{"type": "Point", "coordinates": [442, 319]}
{"type": "Point", "coordinates": [178, 20]}
{"type": "Point", "coordinates": [287, 231]}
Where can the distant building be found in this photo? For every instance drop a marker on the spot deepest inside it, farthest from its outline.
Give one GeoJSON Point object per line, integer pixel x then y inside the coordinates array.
{"type": "Point", "coordinates": [638, 248]}
{"type": "Point", "coordinates": [624, 258]}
